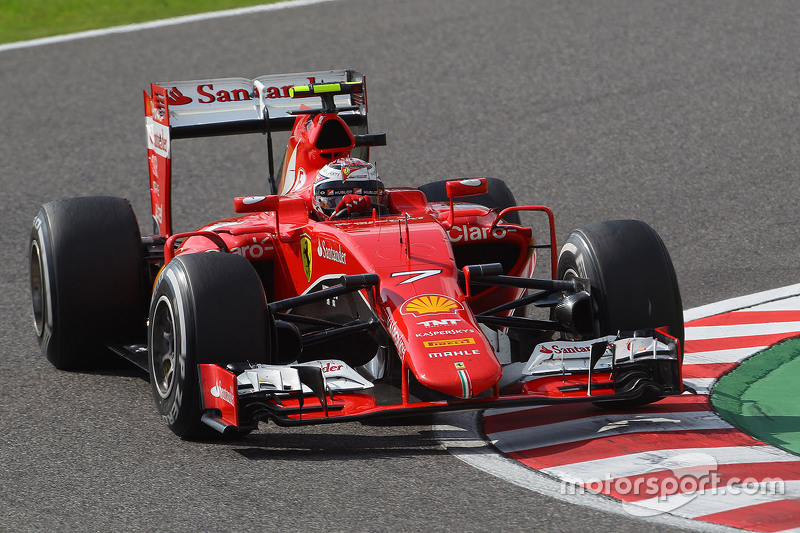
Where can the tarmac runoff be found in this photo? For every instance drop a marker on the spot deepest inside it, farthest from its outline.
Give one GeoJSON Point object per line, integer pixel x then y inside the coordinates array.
{"type": "Point", "coordinates": [760, 397]}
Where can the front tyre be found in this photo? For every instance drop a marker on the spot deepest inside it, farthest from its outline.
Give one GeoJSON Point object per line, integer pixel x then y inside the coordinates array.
{"type": "Point", "coordinates": [633, 281]}
{"type": "Point", "coordinates": [206, 308]}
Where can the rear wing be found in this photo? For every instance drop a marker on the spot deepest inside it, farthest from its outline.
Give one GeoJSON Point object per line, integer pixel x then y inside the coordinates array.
{"type": "Point", "coordinates": [229, 106]}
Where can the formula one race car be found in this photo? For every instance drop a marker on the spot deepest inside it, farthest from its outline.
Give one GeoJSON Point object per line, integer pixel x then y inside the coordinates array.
{"type": "Point", "coordinates": [334, 298]}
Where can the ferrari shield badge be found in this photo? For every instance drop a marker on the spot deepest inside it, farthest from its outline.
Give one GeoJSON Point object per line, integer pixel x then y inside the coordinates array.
{"type": "Point", "coordinates": [305, 253]}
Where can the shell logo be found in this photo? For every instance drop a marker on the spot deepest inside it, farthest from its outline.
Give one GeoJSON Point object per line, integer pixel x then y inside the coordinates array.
{"type": "Point", "coordinates": [429, 305]}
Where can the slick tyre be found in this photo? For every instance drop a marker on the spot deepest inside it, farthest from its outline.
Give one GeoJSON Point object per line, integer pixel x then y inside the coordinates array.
{"type": "Point", "coordinates": [499, 196]}
{"type": "Point", "coordinates": [633, 281]}
{"type": "Point", "coordinates": [206, 308]}
{"type": "Point", "coordinates": [86, 279]}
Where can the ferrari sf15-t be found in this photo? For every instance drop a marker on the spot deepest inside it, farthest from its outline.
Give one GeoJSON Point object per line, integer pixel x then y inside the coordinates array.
{"type": "Point", "coordinates": [331, 297]}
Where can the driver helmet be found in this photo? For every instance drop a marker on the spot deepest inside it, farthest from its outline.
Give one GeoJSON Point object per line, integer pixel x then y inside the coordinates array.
{"type": "Point", "coordinates": [346, 175]}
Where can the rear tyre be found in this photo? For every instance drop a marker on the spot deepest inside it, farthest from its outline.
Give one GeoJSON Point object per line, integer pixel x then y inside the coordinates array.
{"type": "Point", "coordinates": [499, 196]}
{"type": "Point", "coordinates": [633, 281]}
{"type": "Point", "coordinates": [206, 308]}
{"type": "Point", "coordinates": [86, 279]}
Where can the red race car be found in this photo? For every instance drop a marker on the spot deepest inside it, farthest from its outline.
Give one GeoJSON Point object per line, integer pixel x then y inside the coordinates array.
{"type": "Point", "coordinates": [335, 298]}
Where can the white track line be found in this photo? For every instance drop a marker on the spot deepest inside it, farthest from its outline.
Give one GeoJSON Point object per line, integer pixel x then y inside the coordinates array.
{"type": "Point", "coordinates": [787, 304]}
{"type": "Point", "coordinates": [742, 302]}
{"type": "Point", "coordinates": [159, 23]}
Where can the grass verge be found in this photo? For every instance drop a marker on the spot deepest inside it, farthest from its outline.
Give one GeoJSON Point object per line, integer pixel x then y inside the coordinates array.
{"type": "Point", "coordinates": [21, 20]}
{"type": "Point", "coordinates": [760, 396]}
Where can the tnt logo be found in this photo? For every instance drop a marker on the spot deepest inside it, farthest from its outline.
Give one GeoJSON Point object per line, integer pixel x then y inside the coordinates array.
{"type": "Point", "coordinates": [439, 323]}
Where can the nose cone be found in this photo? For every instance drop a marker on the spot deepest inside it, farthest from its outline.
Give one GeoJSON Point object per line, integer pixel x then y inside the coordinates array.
{"type": "Point", "coordinates": [444, 347]}
{"type": "Point", "coordinates": [460, 373]}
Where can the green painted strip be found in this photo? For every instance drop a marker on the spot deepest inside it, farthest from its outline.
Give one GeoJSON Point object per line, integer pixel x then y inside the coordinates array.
{"type": "Point", "coordinates": [762, 396]}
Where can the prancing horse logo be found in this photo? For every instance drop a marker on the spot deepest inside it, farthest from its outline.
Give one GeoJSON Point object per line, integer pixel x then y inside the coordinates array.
{"type": "Point", "coordinates": [305, 253]}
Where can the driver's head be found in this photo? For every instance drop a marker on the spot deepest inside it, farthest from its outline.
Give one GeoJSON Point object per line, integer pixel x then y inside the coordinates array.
{"type": "Point", "coordinates": [346, 175]}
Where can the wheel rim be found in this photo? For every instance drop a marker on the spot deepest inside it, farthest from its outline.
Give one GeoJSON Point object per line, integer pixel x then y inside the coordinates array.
{"type": "Point", "coordinates": [162, 345]}
{"type": "Point", "coordinates": [569, 274]}
{"type": "Point", "coordinates": [37, 289]}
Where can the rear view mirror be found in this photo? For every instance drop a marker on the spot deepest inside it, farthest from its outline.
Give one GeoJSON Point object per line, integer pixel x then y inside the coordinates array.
{"type": "Point", "coordinates": [467, 187]}
{"type": "Point", "coordinates": [255, 204]}
{"type": "Point", "coordinates": [461, 188]}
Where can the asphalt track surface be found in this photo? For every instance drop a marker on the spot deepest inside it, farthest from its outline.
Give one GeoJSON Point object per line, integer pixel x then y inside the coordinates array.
{"type": "Point", "coordinates": [681, 114]}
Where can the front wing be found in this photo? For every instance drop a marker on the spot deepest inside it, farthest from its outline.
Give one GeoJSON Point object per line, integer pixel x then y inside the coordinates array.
{"type": "Point", "coordinates": [320, 392]}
